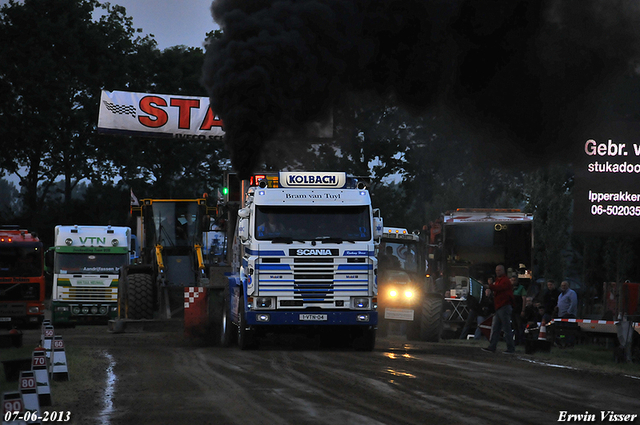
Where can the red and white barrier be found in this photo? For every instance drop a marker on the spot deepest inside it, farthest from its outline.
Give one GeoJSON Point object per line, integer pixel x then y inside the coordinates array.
{"type": "Point", "coordinates": [195, 310]}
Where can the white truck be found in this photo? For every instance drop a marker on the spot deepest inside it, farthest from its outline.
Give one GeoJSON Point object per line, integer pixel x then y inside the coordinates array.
{"type": "Point", "coordinates": [86, 267]}
{"type": "Point", "coordinates": [303, 258]}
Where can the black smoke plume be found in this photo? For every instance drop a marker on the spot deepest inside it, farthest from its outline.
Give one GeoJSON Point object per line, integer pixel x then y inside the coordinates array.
{"type": "Point", "coordinates": [532, 72]}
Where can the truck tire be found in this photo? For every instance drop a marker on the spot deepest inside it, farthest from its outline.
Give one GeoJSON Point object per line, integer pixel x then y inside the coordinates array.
{"type": "Point", "coordinates": [246, 337]}
{"type": "Point", "coordinates": [366, 340]}
{"type": "Point", "coordinates": [227, 329]}
{"type": "Point", "coordinates": [431, 321]}
{"type": "Point", "coordinates": [139, 296]}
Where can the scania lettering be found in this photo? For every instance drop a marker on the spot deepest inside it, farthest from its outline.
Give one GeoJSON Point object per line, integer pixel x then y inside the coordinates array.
{"type": "Point", "coordinates": [86, 267]}
{"type": "Point", "coordinates": [22, 288]}
{"type": "Point", "coordinates": [304, 259]}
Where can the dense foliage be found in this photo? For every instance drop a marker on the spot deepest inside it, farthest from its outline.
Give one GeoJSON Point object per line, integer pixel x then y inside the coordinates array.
{"type": "Point", "coordinates": [63, 52]}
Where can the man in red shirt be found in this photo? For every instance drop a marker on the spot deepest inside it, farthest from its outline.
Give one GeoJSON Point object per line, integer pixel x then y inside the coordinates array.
{"type": "Point", "coordinates": [503, 302]}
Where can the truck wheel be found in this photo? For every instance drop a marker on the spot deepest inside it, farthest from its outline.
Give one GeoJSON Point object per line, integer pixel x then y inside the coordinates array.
{"type": "Point", "coordinates": [366, 341]}
{"type": "Point", "coordinates": [228, 333]}
{"type": "Point", "coordinates": [139, 296]}
{"type": "Point", "coordinates": [246, 338]}
{"type": "Point", "coordinates": [383, 327]}
{"type": "Point", "coordinates": [431, 323]}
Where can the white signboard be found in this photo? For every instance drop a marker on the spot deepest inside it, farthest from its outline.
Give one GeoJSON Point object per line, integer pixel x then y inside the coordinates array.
{"type": "Point", "coordinates": [158, 115]}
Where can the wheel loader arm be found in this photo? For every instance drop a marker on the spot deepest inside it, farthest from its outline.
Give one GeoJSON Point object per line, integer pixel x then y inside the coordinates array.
{"type": "Point", "coordinates": [159, 258]}
{"type": "Point", "coordinates": [198, 249]}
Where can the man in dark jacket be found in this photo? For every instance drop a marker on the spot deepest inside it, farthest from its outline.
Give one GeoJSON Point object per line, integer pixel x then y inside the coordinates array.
{"type": "Point", "coordinates": [550, 298]}
{"type": "Point", "coordinates": [503, 303]}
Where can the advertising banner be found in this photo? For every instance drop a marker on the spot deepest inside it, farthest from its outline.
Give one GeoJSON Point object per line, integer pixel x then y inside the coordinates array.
{"type": "Point", "coordinates": [158, 115]}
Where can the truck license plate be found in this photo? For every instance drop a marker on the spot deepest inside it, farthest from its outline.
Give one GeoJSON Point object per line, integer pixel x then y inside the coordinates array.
{"type": "Point", "coordinates": [313, 317]}
{"type": "Point", "coordinates": [5, 319]}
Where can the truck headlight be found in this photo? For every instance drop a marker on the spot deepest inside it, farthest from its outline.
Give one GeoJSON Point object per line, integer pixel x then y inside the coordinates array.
{"type": "Point", "coordinates": [264, 302]}
{"type": "Point", "coordinates": [408, 293]}
{"type": "Point", "coordinates": [59, 308]}
{"type": "Point", "coordinates": [359, 302]}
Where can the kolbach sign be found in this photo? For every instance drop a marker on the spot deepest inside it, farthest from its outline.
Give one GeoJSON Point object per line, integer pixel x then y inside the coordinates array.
{"type": "Point", "coordinates": [158, 115]}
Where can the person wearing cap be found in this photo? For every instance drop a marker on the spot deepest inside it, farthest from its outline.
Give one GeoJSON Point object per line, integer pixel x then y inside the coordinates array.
{"type": "Point", "coordinates": [503, 304]}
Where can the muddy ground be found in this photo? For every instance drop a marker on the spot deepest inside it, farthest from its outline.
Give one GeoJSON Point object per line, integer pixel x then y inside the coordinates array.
{"type": "Point", "coordinates": [163, 378]}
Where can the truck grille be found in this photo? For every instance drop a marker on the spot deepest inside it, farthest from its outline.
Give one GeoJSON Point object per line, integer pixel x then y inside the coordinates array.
{"type": "Point", "coordinates": [314, 280]}
{"type": "Point", "coordinates": [88, 294]}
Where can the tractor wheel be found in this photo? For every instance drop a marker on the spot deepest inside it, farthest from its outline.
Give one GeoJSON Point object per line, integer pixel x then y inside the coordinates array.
{"type": "Point", "coordinates": [431, 323]}
{"type": "Point", "coordinates": [139, 296]}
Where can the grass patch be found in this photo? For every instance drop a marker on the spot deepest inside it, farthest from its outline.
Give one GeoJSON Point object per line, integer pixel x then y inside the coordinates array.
{"type": "Point", "coordinates": [587, 356]}
{"type": "Point", "coordinates": [86, 368]}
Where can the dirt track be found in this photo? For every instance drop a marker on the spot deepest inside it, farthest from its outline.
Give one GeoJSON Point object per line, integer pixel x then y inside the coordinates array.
{"type": "Point", "coordinates": [161, 378]}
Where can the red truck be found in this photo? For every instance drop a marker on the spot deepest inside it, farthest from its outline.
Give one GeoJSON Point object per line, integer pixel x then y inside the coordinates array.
{"type": "Point", "coordinates": [22, 283]}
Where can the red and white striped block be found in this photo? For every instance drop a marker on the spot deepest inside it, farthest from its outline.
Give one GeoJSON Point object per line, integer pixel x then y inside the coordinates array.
{"type": "Point", "coordinates": [190, 295]}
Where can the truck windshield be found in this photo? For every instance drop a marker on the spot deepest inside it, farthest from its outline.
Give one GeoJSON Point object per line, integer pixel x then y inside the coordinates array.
{"type": "Point", "coordinates": [401, 255]}
{"type": "Point", "coordinates": [335, 224]}
{"type": "Point", "coordinates": [175, 223]}
{"type": "Point", "coordinates": [21, 261]}
{"type": "Point", "coordinates": [89, 263]}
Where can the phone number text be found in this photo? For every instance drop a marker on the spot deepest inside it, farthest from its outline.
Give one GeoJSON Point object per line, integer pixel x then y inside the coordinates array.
{"type": "Point", "coordinates": [619, 210]}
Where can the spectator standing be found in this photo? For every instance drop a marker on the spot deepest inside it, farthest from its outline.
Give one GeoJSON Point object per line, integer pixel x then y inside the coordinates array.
{"type": "Point", "coordinates": [519, 295]}
{"type": "Point", "coordinates": [503, 304]}
{"type": "Point", "coordinates": [567, 307]}
{"type": "Point", "coordinates": [550, 298]}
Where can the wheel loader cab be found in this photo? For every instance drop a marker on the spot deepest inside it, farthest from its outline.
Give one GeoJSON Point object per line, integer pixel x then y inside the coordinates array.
{"type": "Point", "coordinates": [170, 233]}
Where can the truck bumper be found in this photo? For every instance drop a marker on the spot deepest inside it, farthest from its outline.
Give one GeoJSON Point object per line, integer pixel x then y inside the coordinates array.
{"type": "Point", "coordinates": [312, 318]}
{"type": "Point", "coordinates": [80, 312]}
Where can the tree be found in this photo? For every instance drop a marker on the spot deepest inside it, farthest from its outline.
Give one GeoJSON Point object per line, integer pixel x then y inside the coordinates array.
{"type": "Point", "coordinates": [50, 79]}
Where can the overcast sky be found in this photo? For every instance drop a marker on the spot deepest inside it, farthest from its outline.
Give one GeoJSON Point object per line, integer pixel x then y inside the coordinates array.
{"type": "Point", "coordinates": [172, 22]}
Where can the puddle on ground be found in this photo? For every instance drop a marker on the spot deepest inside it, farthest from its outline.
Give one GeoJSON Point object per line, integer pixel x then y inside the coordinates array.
{"type": "Point", "coordinates": [104, 417]}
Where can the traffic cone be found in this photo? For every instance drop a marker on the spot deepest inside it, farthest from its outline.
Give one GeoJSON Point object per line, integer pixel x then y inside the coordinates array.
{"type": "Point", "coordinates": [543, 343]}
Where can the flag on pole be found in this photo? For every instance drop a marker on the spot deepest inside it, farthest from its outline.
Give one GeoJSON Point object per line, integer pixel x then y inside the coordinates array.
{"type": "Point", "coordinates": [134, 200]}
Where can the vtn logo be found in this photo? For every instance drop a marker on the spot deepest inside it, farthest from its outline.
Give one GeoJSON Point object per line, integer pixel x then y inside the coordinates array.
{"type": "Point", "coordinates": [93, 240]}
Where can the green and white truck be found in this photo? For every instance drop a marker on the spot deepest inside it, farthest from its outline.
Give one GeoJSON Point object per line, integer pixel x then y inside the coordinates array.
{"type": "Point", "coordinates": [86, 269]}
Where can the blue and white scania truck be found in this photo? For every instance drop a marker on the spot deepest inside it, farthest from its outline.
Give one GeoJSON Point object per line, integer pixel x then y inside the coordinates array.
{"type": "Point", "coordinates": [303, 258]}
